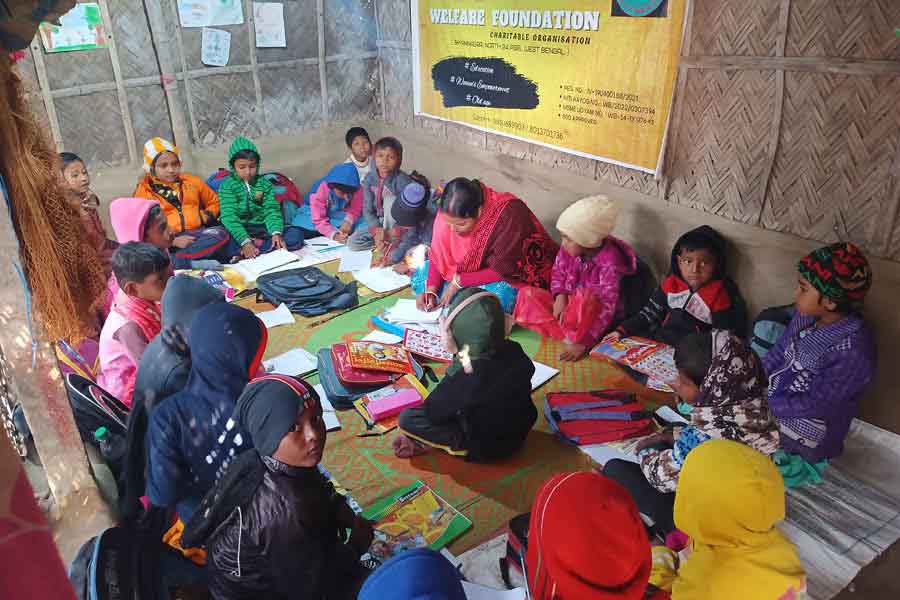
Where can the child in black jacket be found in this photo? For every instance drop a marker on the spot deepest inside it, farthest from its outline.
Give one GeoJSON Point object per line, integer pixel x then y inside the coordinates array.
{"type": "Point", "coordinates": [696, 297]}
{"type": "Point", "coordinates": [482, 409]}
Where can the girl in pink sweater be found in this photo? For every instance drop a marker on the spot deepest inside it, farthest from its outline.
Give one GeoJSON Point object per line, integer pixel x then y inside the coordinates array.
{"type": "Point", "coordinates": [333, 206]}
{"type": "Point", "coordinates": [584, 300]}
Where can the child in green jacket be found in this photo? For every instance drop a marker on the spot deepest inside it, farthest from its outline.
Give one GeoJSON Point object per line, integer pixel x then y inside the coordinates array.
{"type": "Point", "coordinates": [249, 210]}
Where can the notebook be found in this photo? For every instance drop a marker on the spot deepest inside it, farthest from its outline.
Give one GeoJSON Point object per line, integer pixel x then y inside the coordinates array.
{"type": "Point", "coordinates": [379, 357]}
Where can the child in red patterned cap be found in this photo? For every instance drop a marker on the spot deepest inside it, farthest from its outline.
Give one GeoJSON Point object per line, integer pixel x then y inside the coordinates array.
{"type": "Point", "coordinates": [820, 367]}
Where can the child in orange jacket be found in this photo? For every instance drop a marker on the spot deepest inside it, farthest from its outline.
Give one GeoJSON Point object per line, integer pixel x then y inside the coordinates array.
{"type": "Point", "coordinates": [191, 207]}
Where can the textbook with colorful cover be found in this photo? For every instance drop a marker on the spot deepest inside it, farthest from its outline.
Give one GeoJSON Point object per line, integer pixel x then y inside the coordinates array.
{"type": "Point", "coordinates": [654, 359]}
{"type": "Point", "coordinates": [413, 517]}
{"type": "Point", "coordinates": [376, 356]}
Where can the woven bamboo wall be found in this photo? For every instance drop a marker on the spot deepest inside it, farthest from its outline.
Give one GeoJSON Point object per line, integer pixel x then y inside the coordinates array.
{"type": "Point", "coordinates": [787, 117]}
{"type": "Point", "coordinates": [328, 72]}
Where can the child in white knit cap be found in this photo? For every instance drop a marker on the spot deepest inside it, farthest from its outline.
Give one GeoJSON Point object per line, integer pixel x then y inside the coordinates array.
{"type": "Point", "coordinates": [584, 301]}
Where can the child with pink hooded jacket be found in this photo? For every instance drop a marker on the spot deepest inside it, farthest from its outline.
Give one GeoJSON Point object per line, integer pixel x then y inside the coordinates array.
{"type": "Point", "coordinates": [584, 301]}
{"type": "Point", "coordinates": [133, 220]}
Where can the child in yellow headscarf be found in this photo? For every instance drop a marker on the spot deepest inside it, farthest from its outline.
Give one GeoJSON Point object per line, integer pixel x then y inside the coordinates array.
{"type": "Point", "coordinates": [729, 500]}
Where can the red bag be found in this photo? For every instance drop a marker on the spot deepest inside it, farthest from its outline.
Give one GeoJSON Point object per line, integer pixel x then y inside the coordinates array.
{"type": "Point", "coordinates": [348, 375]}
{"type": "Point", "coordinates": [584, 418]}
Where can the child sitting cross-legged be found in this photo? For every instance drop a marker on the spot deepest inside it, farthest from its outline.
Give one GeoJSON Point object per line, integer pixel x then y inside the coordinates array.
{"type": "Point", "coordinates": [414, 213]}
{"type": "Point", "coordinates": [333, 206]}
{"type": "Point", "coordinates": [381, 187]}
{"type": "Point", "coordinates": [482, 409]}
{"type": "Point", "coordinates": [250, 212]}
{"type": "Point", "coordinates": [825, 358]}
{"type": "Point", "coordinates": [189, 204]}
{"type": "Point", "coordinates": [274, 527]}
{"type": "Point", "coordinates": [696, 296]}
{"type": "Point", "coordinates": [723, 390]}
{"type": "Point", "coordinates": [360, 145]}
{"type": "Point", "coordinates": [584, 300]}
{"type": "Point", "coordinates": [142, 271]}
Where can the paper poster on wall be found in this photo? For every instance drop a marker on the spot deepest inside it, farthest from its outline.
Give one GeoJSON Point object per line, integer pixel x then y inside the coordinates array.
{"type": "Point", "coordinates": [210, 13]}
{"type": "Point", "coordinates": [80, 29]}
{"type": "Point", "coordinates": [593, 78]}
{"type": "Point", "coordinates": [215, 47]}
{"type": "Point", "coordinates": [268, 21]}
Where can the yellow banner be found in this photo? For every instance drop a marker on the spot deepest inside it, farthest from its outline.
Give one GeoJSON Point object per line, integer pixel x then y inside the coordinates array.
{"type": "Point", "coordinates": [593, 78]}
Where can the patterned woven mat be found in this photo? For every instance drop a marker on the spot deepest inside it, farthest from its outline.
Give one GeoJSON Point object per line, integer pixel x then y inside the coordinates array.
{"type": "Point", "coordinates": [489, 495]}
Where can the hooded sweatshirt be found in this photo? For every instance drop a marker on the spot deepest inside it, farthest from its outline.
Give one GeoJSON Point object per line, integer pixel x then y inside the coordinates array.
{"type": "Point", "coordinates": [603, 554]}
{"type": "Point", "coordinates": [729, 500]}
{"type": "Point", "coordinates": [323, 210]}
{"type": "Point", "coordinates": [674, 310]}
{"type": "Point", "coordinates": [492, 403]}
{"type": "Point", "coordinates": [163, 371]}
{"type": "Point", "coordinates": [252, 203]}
{"type": "Point", "coordinates": [192, 437]}
{"type": "Point", "coordinates": [418, 574]}
{"type": "Point", "coordinates": [128, 217]}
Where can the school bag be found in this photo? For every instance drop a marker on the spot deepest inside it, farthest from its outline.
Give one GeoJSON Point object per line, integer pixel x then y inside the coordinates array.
{"type": "Point", "coordinates": [286, 193]}
{"type": "Point", "coordinates": [343, 395]}
{"type": "Point", "coordinates": [93, 408]}
{"type": "Point", "coordinates": [215, 180]}
{"type": "Point", "coordinates": [636, 289]}
{"type": "Point", "coordinates": [516, 548]}
{"type": "Point", "coordinates": [306, 291]}
{"type": "Point", "coordinates": [583, 418]}
{"type": "Point", "coordinates": [768, 327]}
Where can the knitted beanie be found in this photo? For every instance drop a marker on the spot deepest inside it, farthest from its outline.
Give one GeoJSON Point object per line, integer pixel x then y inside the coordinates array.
{"type": "Point", "coordinates": [588, 221]}
{"type": "Point", "coordinates": [838, 271]}
{"type": "Point", "coordinates": [407, 210]}
{"type": "Point", "coordinates": [153, 148]}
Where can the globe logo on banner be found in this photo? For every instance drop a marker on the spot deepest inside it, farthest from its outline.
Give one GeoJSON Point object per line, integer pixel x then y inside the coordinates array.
{"type": "Point", "coordinates": [640, 8]}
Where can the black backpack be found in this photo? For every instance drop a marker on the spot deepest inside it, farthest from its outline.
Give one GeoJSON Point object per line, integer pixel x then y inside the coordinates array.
{"type": "Point", "coordinates": [768, 327]}
{"type": "Point", "coordinates": [637, 287]}
{"type": "Point", "coordinates": [306, 291]}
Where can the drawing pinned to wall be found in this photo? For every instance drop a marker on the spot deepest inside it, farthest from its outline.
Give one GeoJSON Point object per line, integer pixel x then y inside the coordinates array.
{"type": "Point", "coordinates": [210, 13]}
{"type": "Point", "coordinates": [215, 47]}
{"type": "Point", "coordinates": [80, 29]}
{"type": "Point", "coordinates": [268, 20]}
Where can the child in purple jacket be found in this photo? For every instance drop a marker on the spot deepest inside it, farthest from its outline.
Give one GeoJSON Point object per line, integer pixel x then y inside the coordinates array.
{"type": "Point", "coordinates": [825, 358]}
{"type": "Point", "coordinates": [584, 301]}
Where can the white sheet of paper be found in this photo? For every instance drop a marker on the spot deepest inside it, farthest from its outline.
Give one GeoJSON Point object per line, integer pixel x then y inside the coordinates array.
{"type": "Point", "coordinates": [381, 280]}
{"type": "Point", "coordinates": [479, 592]}
{"type": "Point", "coordinates": [280, 316]}
{"type": "Point", "coordinates": [354, 261]}
{"type": "Point", "coordinates": [602, 454]}
{"type": "Point", "coordinates": [322, 244]}
{"type": "Point", "coordinates": [670, 415]}
{"type": "Point", "coordinates": [251, 268]}
{"type": "Point", "coordinates": [328, 413]}
{"type": "Point", "coordinates": [210, 13]}
{"type": "Point", "coordinates": [542, 374]}
{"type": "Point", "coordinates": [215, 47]}
{"type": "Point", "coordinates": [294, 362]}
{"type": "Point", "coordinates": [79, 29]}
{"type": "Point", "coordinates": [268, 22]}
{"type": "Point", "coordinates": [405, 311]}
{"type": "Point", "coordinates": [383, 337]}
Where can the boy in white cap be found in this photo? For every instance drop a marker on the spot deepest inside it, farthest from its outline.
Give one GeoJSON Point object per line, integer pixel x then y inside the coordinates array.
{"type": "Point", "coordinates": [584, 300]}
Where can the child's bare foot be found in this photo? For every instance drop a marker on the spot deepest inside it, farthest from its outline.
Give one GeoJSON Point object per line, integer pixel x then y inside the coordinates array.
{"type": "Point", "coordinates": [406, 447]}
